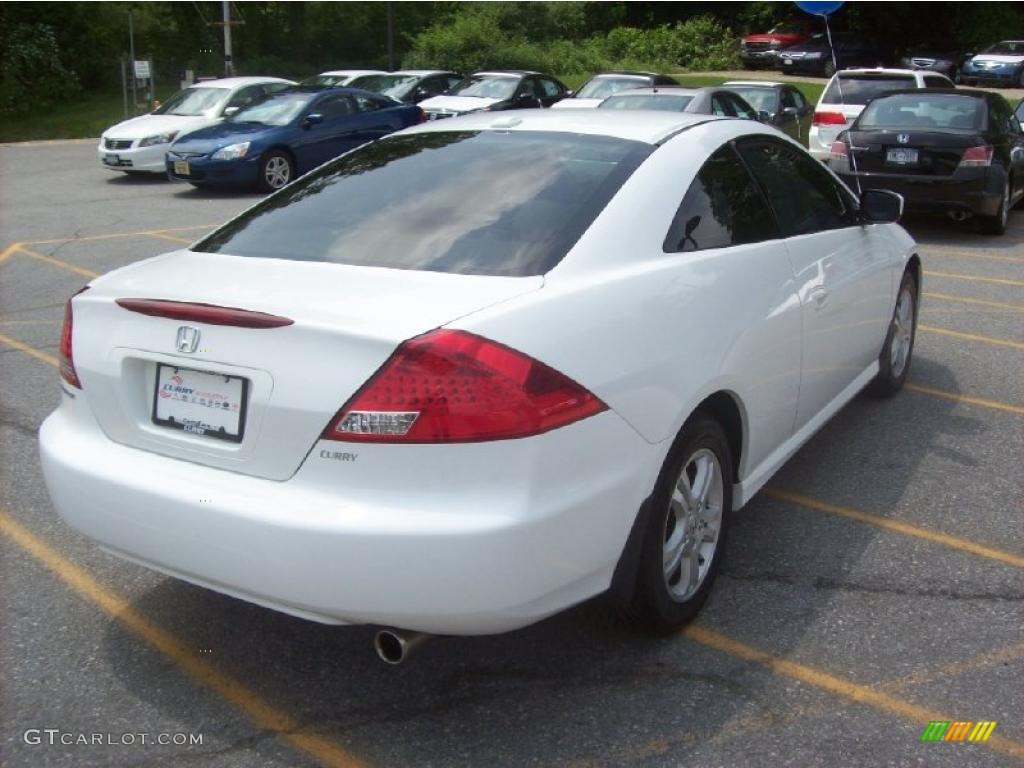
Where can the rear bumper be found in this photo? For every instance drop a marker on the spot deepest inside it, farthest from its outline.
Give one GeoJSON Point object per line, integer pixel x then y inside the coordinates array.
{"type": "Point", "coordinates": [973, 191]}
{"type": "Point", "coordinates": [463, 539]}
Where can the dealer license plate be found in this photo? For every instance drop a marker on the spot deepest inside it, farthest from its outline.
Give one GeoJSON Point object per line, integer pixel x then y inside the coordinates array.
{"type": "Point", "coordinates": [200, 403]}
{"type": "Point", "coordinates": [181, 167]}
{"type": "Point", "coordinates": [901, 156]}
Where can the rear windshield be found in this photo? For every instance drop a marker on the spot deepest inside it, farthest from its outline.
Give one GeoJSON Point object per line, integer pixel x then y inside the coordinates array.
{"type": "Point", "coordinates": [469, 202]}
{"type": "Point", "coordinates": [664, 102]}
{"type": "Point", "coordinates": [924, 112]}
{"type": "Point", "coordinates": [860, 89]}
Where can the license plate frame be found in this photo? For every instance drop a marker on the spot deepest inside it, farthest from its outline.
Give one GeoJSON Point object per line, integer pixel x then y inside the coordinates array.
{"type": "Point", "coordinates": [181, 168]}
{"type": "Point", "coordinates": [902, 156]}
{"type": "Point", "coordinates": [195, 401]}
{"type": "Point", "coordinates": [787, 62]}
{"type": "Point", "coordinates": [111, 159]}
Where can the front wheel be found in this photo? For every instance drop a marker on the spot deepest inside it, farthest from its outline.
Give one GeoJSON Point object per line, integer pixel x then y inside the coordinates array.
{"type": "Point", "coordinates": [276, 170]}
{"type": "Point", "coordinates": [894, 360]}
{"type": "Point", "coordinates": [685, 534]}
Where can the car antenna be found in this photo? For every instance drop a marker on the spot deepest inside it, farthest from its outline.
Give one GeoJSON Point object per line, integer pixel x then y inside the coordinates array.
{"type": "Point", "coordinates": [839, 85]}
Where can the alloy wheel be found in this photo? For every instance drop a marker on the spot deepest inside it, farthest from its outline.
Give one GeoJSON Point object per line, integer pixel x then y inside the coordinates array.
{"type": "Point", "coordinates": [277, 172]}
{"type": "Point", "coordinates": [693, 524]}
{"type": "Point", "coordinates": [902, 332]}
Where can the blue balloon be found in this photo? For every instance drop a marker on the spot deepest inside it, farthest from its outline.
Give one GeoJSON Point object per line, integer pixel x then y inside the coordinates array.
{"type": "Point", "coordinates": [820, 9]}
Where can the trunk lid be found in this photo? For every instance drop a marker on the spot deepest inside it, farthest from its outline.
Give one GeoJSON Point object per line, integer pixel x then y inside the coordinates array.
{"type": "Point", "coordinates": [937, 153]}
{"type": "Point", "coordinates": [346, 322]}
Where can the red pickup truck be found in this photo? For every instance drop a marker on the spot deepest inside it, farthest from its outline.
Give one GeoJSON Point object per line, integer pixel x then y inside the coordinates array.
{"type": "Point", "coordinates": [762, 49]}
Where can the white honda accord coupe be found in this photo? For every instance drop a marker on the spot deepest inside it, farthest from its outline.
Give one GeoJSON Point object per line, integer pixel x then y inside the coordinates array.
{"type": "Point", "coordinates": [481, 370]}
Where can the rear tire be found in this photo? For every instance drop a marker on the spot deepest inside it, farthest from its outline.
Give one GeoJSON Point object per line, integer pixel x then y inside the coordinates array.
{"type": "Point", "coordinates": [685, 536]}
{"type": "Point", "coordinates": [898, 349]}
{"type": "Point", "coordinates": [996, 225]}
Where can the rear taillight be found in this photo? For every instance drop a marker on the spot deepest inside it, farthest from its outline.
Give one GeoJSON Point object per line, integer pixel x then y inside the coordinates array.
{"type": "Point", "coordinates": [977, 156]}
{"type": "Point", "coordinates": [67, 354]}
{"type": "Point", "coordinates": [829, 118]}
{"type": "Point", "coordinates": [421, 117]}
{"type": "Point", "coordinates": [452, 386]}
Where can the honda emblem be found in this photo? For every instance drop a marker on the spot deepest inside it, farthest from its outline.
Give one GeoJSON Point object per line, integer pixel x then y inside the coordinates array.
{"type": "Point", "coordinates": [902, 138]}
{"type": "Point", "coordinates": [188, 338]}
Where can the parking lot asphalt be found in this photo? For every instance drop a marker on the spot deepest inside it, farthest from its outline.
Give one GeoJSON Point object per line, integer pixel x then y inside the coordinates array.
{"type": "Point", "coordinates": [876, 585]}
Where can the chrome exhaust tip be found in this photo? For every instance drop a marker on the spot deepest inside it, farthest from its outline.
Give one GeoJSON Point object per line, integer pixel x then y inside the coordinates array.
{"type": "Point", "coordinates": [393, 646]}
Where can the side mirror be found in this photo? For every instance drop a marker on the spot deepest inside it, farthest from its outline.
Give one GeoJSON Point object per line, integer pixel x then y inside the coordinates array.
{"type": "Point", "coordinates": [880, 206]}
{"type": "Point", "coordinates": [313, 118]}
{"type": "Point", "coordinates": [526, 98]}
{"type": "Point", "coordinates": [764, 117]}
{"type": "Point", "coordinates": [791, 111]}
{"type": "Point", "coordinates": [231, 111]}
{"type": "Point", "coordinates": [570, 94]}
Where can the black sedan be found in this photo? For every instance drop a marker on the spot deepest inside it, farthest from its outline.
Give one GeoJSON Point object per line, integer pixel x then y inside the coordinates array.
{"type": "Point", "coordinates": [778, 104]}
{"type": "Point", "coordinates": [495, 91]}
{"type": "Point", "coordinates": [814, 57]}
{"type": "Point", "coordinates": [411, 86]}
{"type": "Point", "coordinates": [701, 101]}
{"type": "Point", "coordinates": [952, 151]}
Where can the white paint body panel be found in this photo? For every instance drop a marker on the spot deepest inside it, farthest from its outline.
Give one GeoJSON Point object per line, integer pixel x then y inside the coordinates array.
{"type": "Point", "coordinates": [471, 538]}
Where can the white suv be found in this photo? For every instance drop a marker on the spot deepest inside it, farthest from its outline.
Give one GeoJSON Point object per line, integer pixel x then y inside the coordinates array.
{"type": "Point", "coordinates": [849, 90]}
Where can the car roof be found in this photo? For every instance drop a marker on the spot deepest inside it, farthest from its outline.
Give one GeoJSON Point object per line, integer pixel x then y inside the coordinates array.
{"type": "Point", "coordinates": [624, 72]}
{"type": "Point", "coordinates": [937, 92]}
{"type": "Point", "coordinates": [505, 72]}
{"type": "Point", "coordinates": [235, 82]}
{"type": "Point", "coordinates": [352, 72]}
{"type": "Point", "coordinates": [757, 83]}
{"type": "Point", "coordinates": [669, 89]}
{"type": "Point", "coordinates": [421, 72]}
{"type": "Point", "coordinates": [649, 127]}
{"type": "Point", "coordinates": [884, 71]}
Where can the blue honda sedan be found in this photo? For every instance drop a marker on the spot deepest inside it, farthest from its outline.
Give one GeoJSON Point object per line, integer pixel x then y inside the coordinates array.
{"type": "Point", "coordinates": [282, 137]}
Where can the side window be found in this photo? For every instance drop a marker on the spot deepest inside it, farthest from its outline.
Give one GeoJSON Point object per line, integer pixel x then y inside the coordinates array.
{"type": "Point", "coordinates": [937, 81]}
{"type": "Point", "coordinates": [434, 85]}
{"type": "Point", "coordinates": [722, 207]}
{"type": "Point", "coordinates": [452, 81]}
{"type": "Point", "coordinates": [798, 98]}
{"type": "Point", "coordinates": [550, 87]}
{"type": "Point", "coordinates": [272, 88]}
{"type": "Point", "coordinates": [721, 106]}
{"type": "Point", "coordinates": [526, 87]}
{"type": "Point", "coordinates": [334, 107]}
{"type": "Point", "coordinates": [804, 195]}
{"type": "Point", "coordinates": [741, 108]}
{"type": "Point", "coordinates": [368, 104]}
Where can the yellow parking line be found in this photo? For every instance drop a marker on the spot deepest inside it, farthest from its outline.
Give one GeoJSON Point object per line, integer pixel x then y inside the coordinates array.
{"type": "Point", "coordinates": [57, 262]}
{"type": "Point", "coordinates": [164, 236]}
{"type": "Point", "coordinates": [958, 398]}
{"type": "Point", "coordinates": [975, 278]}
{"type": "Point", "coordinates": [833, 684]}
{"type": "Point", "coordinates": [949, 669]}
{"type": "Point", "coordinates": [38, 354]}
{"type": "Point", "coordinates": [260, 711]}
{"type": "Point", "coordinates": [971, 336]}
{"type": "Point", "coordinates": [954, 542]}
{"type": "Point", "coordinates": [113, 235]}
{"type": "Point", "coordinates": [979, 302]}
{"type": "Point", "coordinates": [5, 254]}
{"type": "Point", "coordinates": [931, 249]}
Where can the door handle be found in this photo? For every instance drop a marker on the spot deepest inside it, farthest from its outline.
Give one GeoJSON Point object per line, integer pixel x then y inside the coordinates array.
{"type": "Point", "coordinates": [820, 297]}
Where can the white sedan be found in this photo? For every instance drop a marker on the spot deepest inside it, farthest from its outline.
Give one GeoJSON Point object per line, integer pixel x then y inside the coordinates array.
{"type": "Point", "coordinates": [481, 370]}
{"type": "Point", "coordinates": [139, 144]}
